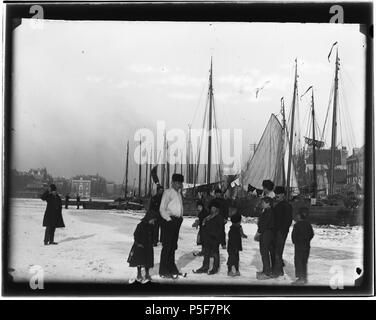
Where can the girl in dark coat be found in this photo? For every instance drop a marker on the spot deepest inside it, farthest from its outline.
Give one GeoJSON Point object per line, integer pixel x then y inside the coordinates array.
{"type": "Point", "coordinates": [202, 214]}
{"type": "Point", "coordinates": [142, 252]}
{"type": "Point", "coordinates": [53, 217]}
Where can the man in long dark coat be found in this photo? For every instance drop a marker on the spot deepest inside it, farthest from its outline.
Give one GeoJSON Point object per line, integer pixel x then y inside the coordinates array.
{"type": "Point", "coordinates": [171, 210]}
{"type": "Point", "coordinates": [282, 212]}
{"type": "Point", "coordinates": [53, 217]}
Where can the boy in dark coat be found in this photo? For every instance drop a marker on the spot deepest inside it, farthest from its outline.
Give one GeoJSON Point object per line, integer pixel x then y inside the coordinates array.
{"type": "Point", "coordinates": [265, 236]}
{"type": "Point", "coordinates": [282, 221]}
{"type": "Point", "coordinates": [211, 234]}
{"type": "Point", "coordinates": [223, 211]}
{"type": "Point", "coordinates": [142, 252]}
{"type": "Point", "coordinates": [53, 217]}
{"type": "Point", "coordinates": [202, 214]}
{"type": "Point", "coordinates": [234, 245]}
{"type": "Point", "coordinates": [301, 236]}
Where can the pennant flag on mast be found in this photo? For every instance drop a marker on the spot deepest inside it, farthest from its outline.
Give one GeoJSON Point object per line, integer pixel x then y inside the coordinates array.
{"type": "Point", "coordinates": [331, 50]}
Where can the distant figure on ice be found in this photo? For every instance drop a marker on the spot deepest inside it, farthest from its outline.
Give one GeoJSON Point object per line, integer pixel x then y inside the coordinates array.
{"type": "Point", "coordinates": [78, 201]}
{"type": "Point", "coordinates": [265, 236]}
{"type": "Point", "coordinates": [142, 252]}
{"type": "Point", "coordinates": [155, 203]}
{"type": "Point", "coordinates": [67, 197]}
{"type": "Point", "coordinates": [171, 210]}
{"type": "Point", "coordinates": [211, 234]}
{"type": "Point", "coordinates": [53, 217]}
{"type": "Point", "coordinates": [282, 221]}
{"type": "Point", "coordinates": [234, 245]}
{"type": "Point", "coordinates": [201, 215]}
{"type": "Point", "coordinates": [301, 236]}
{"type": "Point", "coordinates": [268, 186]}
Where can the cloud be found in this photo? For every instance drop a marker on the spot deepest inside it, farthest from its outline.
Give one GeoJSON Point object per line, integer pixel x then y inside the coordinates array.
{"type": "Point", "coordinates": [181, 80]}
{"type": "Point", "coordinates": [182, 96]}
{"type": "Point", "coordinates": [93, 79]}
{"type": "Point", "coordinates": [142, 68]}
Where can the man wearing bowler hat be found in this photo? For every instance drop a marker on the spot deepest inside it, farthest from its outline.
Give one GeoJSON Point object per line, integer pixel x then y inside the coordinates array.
{"type": "Point", "coordinates": [171, 210]}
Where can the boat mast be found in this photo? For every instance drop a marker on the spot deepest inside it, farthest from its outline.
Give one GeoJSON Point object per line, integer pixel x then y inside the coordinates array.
{"type": "Point", "coordinates": [150, 168]}
{"type": "Point", "coordinates": [292, 129]}
{"type": "Point", "coordinates": [168, 167]}
{"type": "Point", "coordinates": [283, 140]}
{"type": "Point", "coordinates": [334, 127]}
{"type": "Point", "coordinates": [139, 173]}
{"type": "Point", "coordinates": [126, 172]}
{"type": "Point", "coordinates": [314, 147]}
{"type": "Point", "coordinates": [210, 120]}
{"type": "Point", "coordinates": [146, 178]}
{"type": "Point", "coordinates": [163, 169]}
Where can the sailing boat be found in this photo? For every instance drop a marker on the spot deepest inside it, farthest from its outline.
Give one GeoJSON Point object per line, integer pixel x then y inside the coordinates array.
{"type": "Point", "coordinates": [205, 177]}
{"type": "Point", "coordinates": [270, 160]}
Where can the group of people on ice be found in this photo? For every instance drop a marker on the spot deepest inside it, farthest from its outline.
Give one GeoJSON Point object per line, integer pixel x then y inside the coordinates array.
{"type": "Point", "coordinates": [166, 212]}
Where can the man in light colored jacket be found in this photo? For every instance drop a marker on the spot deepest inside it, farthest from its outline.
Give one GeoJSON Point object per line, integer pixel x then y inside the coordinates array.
{"type": "Point", "coordinates": [171, 210]}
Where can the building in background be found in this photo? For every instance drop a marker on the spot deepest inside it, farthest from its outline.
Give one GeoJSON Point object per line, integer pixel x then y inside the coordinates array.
{"type": "Point", "coordinates": [323, 168]}
{"type": "Point", "coordinates": [355, 168]}
{"type": "Point", "coordinates": [81, 187]}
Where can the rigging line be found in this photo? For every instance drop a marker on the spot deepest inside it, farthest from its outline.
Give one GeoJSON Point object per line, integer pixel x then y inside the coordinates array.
{"type": "Point", "coordinates": [198, 104]}
{"type": "Point", "coordinates": [217, 138]}
{"type": "Point", "coordinates": [340, 124]}
{"type": "Point", "coordinates": [199, 145]}
{"type": "Point", "coordinates": [346, 111]}
{"type": "Point", "coordinates": [327, 111]}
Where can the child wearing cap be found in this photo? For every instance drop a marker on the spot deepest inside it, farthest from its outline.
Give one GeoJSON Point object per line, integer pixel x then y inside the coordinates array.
{"type": "Point", "coordinates": [302, 235]}
{"type": "Point", "coordinates": [234, 245]}
{"type": "Point", "coordinates": [142, 252]}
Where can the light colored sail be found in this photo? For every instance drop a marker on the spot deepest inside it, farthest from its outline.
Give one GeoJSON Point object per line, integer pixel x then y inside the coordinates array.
{"type": "Point", "coordinates": [267, 162]}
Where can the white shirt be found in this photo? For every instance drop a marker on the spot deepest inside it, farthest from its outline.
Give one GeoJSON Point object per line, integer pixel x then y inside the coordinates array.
{"type": "Point", "coordinates": [171, 204]}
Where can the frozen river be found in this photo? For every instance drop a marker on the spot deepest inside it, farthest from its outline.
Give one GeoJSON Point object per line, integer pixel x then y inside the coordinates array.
{"type": "Point", "coordinates": [95, 244]}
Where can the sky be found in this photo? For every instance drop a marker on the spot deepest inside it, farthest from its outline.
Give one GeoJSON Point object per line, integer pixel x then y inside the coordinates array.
{"type": "Point", "coordinates": [81, 89]}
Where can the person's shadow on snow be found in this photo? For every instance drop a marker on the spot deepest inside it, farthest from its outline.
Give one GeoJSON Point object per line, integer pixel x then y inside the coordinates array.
{"type": "Point", "coordinates": [183, 261]}
{"type": "Point", "coordinates": [77, 238]}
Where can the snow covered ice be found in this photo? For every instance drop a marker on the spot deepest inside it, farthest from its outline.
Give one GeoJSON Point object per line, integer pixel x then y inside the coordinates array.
{"type": "Point", "coordinates": [95, 244]}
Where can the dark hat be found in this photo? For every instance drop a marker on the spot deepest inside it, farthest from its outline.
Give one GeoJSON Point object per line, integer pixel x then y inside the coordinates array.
{"type": "Point", "coordinates": [214, 203]}
{"type": "Point", "coordinates": [303, 212]}
{"type": "Point", "coordinates": [268, 184]}
{"type": "Point", "coordinates": [279, 190]}
{"type": "Point", "coordinates": [199, 203]}
{"type": "Point", "coordinates": [218, 190]}
{"type": "Point", "coordinates": [150, 214]}
{"type": "Point", "coordinates": [177, 177]}
{"type": "Point", "coordinates": [251, 188]}
{"type": "Point", "coordinates": [236, 218]}
{"type": "Point", "coordinates": [268, 200]}
{"type": "Point", "coordinates": [53, 187]}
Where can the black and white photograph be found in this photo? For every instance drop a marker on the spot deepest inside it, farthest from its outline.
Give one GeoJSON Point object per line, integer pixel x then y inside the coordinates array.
{"type": "Point", "coordinates": [195, 153]}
